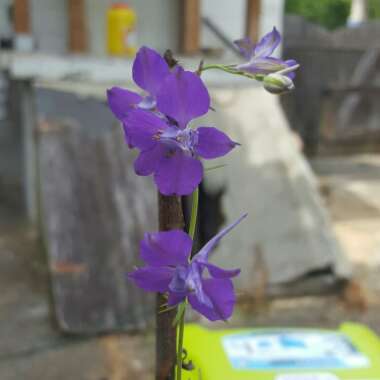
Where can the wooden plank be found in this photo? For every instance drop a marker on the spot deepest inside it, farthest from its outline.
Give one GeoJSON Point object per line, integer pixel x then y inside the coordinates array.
{"type": "Point", "coordinates": [191, 25]}
{"type": "Point", "coordinates": [77, 26]}
{"type": "Point", "coordinates": [21, 16]}
{"type": "Point", "coordinates": [253, 19]}
{"type": "Point", "coordinates": [95, 211]}
{"type": "Point", "coordinates": [364, 71]}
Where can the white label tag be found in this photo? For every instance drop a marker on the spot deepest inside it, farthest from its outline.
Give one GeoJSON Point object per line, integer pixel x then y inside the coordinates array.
{"type": "Point", "coordinates": [307, 376]}
{"type": "Point", "coordinates": [274, 350]}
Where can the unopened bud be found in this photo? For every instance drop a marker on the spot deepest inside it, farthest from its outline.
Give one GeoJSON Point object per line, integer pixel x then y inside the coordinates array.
{"type": "Point", "coordinates": [277, 83]}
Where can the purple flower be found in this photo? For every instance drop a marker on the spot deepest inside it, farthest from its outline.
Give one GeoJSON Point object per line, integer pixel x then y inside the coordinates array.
{"type": "Point", "coordinates": [149, 71]}
{"type": "Point", "coordinates": [169, 270]}
{"type": "Point", "coordinates": [169, 148]}
{"type": "Point", "coordinates": [259, 60]}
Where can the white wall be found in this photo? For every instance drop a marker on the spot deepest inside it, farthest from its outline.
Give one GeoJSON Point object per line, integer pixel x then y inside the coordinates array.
{"type": "Point", "coordinates": [49, 25]}
{"type": "Point", "coordinates": [272, 14]}
{"type": "Point", "coordinates": [227, 15]}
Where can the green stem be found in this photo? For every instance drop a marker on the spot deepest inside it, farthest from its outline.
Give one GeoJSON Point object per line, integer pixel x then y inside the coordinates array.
{"type": "Point", "coordinates": [231, 70]}
{"type": "Point", "coordinates": [181, 328]}
{"type": "Point", "coordinates": [227, 69]}
{"type": "Point", "coordinates": [181, 323]}
{"type": "Point", "coordinates": [194, 213]}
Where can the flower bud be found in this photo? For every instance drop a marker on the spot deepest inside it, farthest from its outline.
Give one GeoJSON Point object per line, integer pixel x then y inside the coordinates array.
{"type": "Point", "coordinates": [277, 83]}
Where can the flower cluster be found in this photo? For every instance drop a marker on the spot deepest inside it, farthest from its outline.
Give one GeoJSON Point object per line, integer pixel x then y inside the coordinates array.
{"type": "Point", "coordinates": [170, 270]}
{"type": "Point", "coordinates": [157, 124]}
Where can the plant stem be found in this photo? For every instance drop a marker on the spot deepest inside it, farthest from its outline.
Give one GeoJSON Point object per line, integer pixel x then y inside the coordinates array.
{"type": "Point", "coordinates": [231, 70]}
{"type": "Point", "coordinates": [181, 323]}
{"type": "Point", "coordinates": [194, 213]}
{"type": "Point", "coordinates": [181, 328]}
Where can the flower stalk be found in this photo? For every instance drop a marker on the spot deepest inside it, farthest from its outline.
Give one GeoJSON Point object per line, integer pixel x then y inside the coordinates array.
{"type": "Point", "coordinates": [231, 70]}
{"type": "Point", "coordinates": [181, 323]}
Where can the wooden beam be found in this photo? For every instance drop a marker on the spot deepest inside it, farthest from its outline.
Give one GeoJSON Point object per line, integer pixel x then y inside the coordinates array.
{"type": "Point", "coordinates": [253, 19]}
{"type": "Point", "coordinates": [21, 16]}
{"type": "Point", "coordinates": [77, 26]}
{"type": "Point", "coordinates": [191, 25]}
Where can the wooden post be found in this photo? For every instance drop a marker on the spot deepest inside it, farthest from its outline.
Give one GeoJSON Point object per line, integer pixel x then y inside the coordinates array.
{"type": "Point", "coordinates": [21, 16]}
{"type": "Point", "coordinates": [77, 26]}
{"type": "Point", "coordinates": [253, 19]}
{"type": "Point", "coordinates": [191, 24]}
{"type": "Point", "coordinates": [170, 217]}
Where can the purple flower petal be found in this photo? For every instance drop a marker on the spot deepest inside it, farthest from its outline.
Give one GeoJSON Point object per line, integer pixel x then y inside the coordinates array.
{"type": "Point", "coordinates": [267, 44]}
{"type": "Point", "coordinates": [166, 248]}
{"type": "Point", "coordinates": [141, 127]}
{"type": "Point", "coordinates": [148, 103]}
{"type": "Point", "coordinates": [183, 97]}
{"type": "Point", "coordinates": [263, 65]}
{"type": "Point", "coordinates": [246, 47]}
{"type": "Point", "coordinates": [212, 143]}
{"type": "Point", "coordinates": [217, 272]}
{"type": "Point", "coordinates": [222, 296]}
{"type": "Point", "coordinates": [121, 101]}
{"type": "Point", "coordinates": [149, 70]}
{"type": "Point", "coordinates": [290, 63]}
{"type": "Point", "coordinates": [202, 255]}
{"type": "Point", "coordinates": [176, 298]}
{"type": "Point", "coordinates": [178, 174]}
{"type": "Point", "coordinates": [152, 279]}
{"type": "Point", "coordinates": [148, 160]}
{"type": "Point", "coordinates": [178, 283]}
{"type": "Point", "coordinates": [195, 283]}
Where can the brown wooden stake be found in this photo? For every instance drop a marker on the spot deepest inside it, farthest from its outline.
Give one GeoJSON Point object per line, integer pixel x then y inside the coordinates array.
{"type": "Point", "coordinates": [191, 26]}
{"type": "Point", "coordinates": [253, 19]}
{"type": "Point", "coordinates": [77, 26]}
{"type": "Point", "coordinates": [21, 16]}
{"type": "Point", "coordinates": [170, 217]}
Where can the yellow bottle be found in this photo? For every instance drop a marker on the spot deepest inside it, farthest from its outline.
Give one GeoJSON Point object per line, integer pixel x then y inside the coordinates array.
{"type": "Point", "coordinates": [121, 22]}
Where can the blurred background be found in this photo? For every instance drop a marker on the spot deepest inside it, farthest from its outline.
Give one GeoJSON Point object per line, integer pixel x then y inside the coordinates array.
{"type": "Point", "coordinates": [72, 211]}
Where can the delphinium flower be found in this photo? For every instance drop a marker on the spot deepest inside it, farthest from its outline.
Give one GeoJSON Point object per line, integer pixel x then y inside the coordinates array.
{"type": "Point", "coordinates": [148, 72]}
{"type": "Point", "coordinates": [169, 270]}
{"type": "Point", "coordinates": [169, 148]}
{"type": "Point", "coordinates": [258, 56]}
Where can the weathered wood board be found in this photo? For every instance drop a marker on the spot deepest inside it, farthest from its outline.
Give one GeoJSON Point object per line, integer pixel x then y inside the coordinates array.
{"type": "Point", "coordinates": [329, 59]}
{"type": "Point", "coordinates": [94, 212]}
